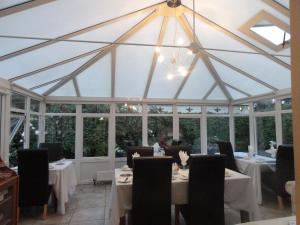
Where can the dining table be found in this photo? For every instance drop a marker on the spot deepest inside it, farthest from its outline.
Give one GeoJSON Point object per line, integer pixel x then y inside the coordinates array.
{"type": "Point", "coordinates": [253, 167]}
{"type": "Point", "coordinates": [238, 193]}
{"type": "Point", "coordinates": [63, 178]}
{"type": "Point", "coordinates": [291, 220]}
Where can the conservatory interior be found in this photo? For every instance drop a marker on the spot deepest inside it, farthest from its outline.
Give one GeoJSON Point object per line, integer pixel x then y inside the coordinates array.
{"type": "Point", "coordinates": [104, 80]}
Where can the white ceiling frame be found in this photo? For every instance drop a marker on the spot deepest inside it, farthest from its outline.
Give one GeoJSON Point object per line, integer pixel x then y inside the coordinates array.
{"type": "Point", "coordinates": [75, 83]}
{"type": "Point", "coordinates": [210, 91]}
{"type": "Point", "coordinates": [188, 29]}
{"type": "Point", "coordinates": [238, 90]}
{"type": "Point", "coordinates": [45, 84]}
{"type": "Point", "coordinates": [113, 72]}
{"type": "Point", "coordinates": [100, 55]}
{"type": "Point", "coordinates": [156, 54]}
{"type": "Point", "coordinates": [23, 6]}
{"type": "Point", "coordinates": [237, 38]}
{"type": "Point", "coordinates": [75, 33]}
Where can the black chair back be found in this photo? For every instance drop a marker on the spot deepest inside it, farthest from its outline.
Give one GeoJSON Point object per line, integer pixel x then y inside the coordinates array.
{"type": "Point", "coordinates": [225, 148]}
{"type": "Point", "coordinates": [143, 151]}
{"type": "Point", "coordinates": [174, 152]}
{"type": "Point", "coordinates": [33, 170]}
{"type": "Point", "coordinates": [54, 150]}
{"type": "Point", "coordinates": [151, 191]}
{"type": "Point", "coordinates": [284, 168]}
{"type": "Point", "coordinates": [206, 190]}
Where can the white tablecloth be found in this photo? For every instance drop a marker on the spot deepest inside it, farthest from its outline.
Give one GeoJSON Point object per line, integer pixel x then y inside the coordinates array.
{"type": "Point", "coordinates": [238, 195]}
{"type": "Point", "coordinates": [290, 188]}
{"type": "Point", "coordinates": [253, 168]}
{"type": "Point", "coordinates": [278, 221]}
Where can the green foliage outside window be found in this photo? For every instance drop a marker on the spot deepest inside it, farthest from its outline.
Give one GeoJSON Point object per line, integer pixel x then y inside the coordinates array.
{"type": "Point", "coordinates": [287, 128]}
{"type": "Point", "coordinates": [266, 132]}
{"type": "Point", "coordinates": [34, 132]}
{"type": "Point", "coordinates": [160, 128]}
{"type": "Point", "coordinates": [242, 141]}
{"type": "Point", "coordinates": [189, 129]}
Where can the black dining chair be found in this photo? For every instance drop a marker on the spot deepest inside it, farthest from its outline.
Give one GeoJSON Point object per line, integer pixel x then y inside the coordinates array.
{"type": "Point", "coordinates": [205, 192]}
{"type": "Point", "coordinates": [141, 150]}
{"type": "Point", "coordinates": [54, 150]}
{"type": "Point", "coordinates": [151, 191]}
{"type": "Point", "coordinates": [174, 152]}
{"type": "Point", "coordinates": [225, 148]}
{"type": "Point", "coordinates": [33, 171]}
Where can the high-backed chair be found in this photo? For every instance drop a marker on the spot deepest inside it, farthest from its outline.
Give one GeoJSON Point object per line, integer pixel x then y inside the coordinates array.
{"type": "Point", "coordinates": [143, 151]}
{"type": "Point", "coordinates": [54, 150]}
{"type": "Point", "coordinates": [151, 191]}
{"type": "Point", "coordinates": [174, 152]}
{"type": "Point", "coordinates": [206, 191]}
{"type": "Point", "coordinates": [33, 170]}
{"type": "Point", "coordinates": [225, 148]}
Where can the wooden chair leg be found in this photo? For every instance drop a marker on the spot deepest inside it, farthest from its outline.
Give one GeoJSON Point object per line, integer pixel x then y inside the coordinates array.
{"type": "Point", "coordinates": [280, 202]}
{"type": "Point", "coordinates": [45, 212]}
{"type": "Point", "coordinates": [177, 215]}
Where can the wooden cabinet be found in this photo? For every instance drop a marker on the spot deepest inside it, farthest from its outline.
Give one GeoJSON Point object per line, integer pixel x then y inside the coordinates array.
{"type": "Point", "coordinates": [8, 197]}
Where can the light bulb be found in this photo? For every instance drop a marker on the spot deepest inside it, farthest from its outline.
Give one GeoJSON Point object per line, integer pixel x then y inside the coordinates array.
{"type": "Point", "coordinates": [183, 72]}
{"type": "Point", "coordinates": [180, 41]}
{"type": "Point", "coordinates": [170, 76]}
{"type": "Point", "coordinates": [160, 58]}
{"type": "Point", "coordinates": [190, 52]}
{"type": "Point", "coordinates": [157, 49]}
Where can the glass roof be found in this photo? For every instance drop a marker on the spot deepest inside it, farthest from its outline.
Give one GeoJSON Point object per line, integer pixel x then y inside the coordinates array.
{"type": "Point", "coordinates": [32, 56]}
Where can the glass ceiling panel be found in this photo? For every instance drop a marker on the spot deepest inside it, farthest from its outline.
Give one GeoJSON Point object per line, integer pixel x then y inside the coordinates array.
{"type": "Point", "coordinates": [66, 90]}
{"type": "Point", "coordinates": [235, 94]}
{"type": "Point", "coordinates": [9, 3]}
{"type": "Point", "coordinates": [43, 57]}
{"type": "Point", "coordinates": [238, 80]}
{"type": "Point", "coordinates": [284, 3]}
{"type": "Point", "coordinates": [217, 94]}
{"type": "Point", "coordinates": [61, 17]}
{"type": "Point", "coordinates": [52, 74]}
{"type": "Point", "coordinates": [259, 66]}
{"type": "Point", "coordinates": [43, 89]}
{"type": "Point", "coordinates": [175, 35]}
{"type": "Point", "coordinates": [96, 80]}
{"type": "Point", "coordinates": [198, 84]}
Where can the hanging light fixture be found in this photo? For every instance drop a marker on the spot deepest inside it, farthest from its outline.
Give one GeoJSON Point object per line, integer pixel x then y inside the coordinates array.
{"type": "Point", "coordinates": [173, 3]}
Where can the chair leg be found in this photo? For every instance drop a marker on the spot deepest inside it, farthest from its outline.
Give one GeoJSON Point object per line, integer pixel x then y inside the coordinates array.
{"type": "Point", "coordinates": [45, 212]}
{"type": "Point", "coordinates": [123, 220]}
{"type": "Point", "coordinates": [18, 214]}
{"type": "Point", "coordinates": [177, 215]}
{"type": "Point", "coordinates": [280, 202]}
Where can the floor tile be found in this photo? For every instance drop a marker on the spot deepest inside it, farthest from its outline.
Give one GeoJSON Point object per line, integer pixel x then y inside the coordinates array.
{"type": "Point", "coordinates": [88, 214]}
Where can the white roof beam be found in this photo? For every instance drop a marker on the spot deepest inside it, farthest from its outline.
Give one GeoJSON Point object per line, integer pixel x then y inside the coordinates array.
{"type": "Point", "coordinates": [237, 89]}
{"type": "Point", "coordinates": [210, 91]}
{"type": "Point", "coordinates": [113, 72]}
{"type": "Point", "coordinates": [75, 83]}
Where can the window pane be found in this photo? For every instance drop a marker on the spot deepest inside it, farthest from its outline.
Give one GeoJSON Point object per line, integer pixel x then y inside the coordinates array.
{"type": "Point", "coordinates": [217, 130]}
{"type": "Point", "coordinates": [241, 132]}
{"type": "Point", "coordinates": [189, 133]}
{"type": "Point", "coordinates": [60, 108]}
{"type": "Point", "coordinates": [287, 128]}
{"type": "Point", "coordinates": [128, 108]}
{"type": "Point", "coordinates": [34, 105]}
{"type": "Point", "coordinates": [160, 109]}
{"type": "Point", "coordinates": [95, 137]}
{"type": "Point", "coordinates": [286, 104]}
{"type": "Point", "coordinates": [128, 133]}
{"type": "Point", "coordinates": [100, 108]}
{"type": "Point", "coordinates": [217, 110]}
{"type": "Point", "coordinates": [265, 129]}
{"type": "Point", "coordinates": [61, 129]}
{"type": "Point", "coordinates": [264, 105]}
{"type": "Point", "coordinates": [18, 101]}
{"type": "Point", "coordinates": [34, 132]}
{"type": "Point", "coordinates": [160, 128]}
{"type": "Point", "coordinates": [187, 109]}
{"type": "Point", "coordinates": [241, 109]}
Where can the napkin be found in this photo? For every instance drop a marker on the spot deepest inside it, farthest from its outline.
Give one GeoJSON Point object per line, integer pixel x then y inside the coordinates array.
{"type": "Point", "coordinates": [175, 168]}
{"type": "Point", "coordinates": [156, 147]}
{"type": "Point", "coordinates": [272, 151]}
{"type": "Point", "coordinates": [183, 158]}
{"type": "Point", "coordinates": [135, 155]}
{"type": "Point", "coordinates": [250, 151]}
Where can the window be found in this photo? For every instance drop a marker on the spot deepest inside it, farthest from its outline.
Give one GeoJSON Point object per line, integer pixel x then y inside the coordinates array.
{"type": "Point", "coordinates": [160, 109]}
{"type": "Point", "coordinates": [287, 128]}
{"type": "Point", "coordinates": [160, 127]}
{"type": "Point", "coordinates": [241, 110]}
{"type": "Point", "coordinates": [217, 130]}
{"type": "Point", "coordinates": [189, 132]}
{"type": "Point", "coordinates": [265, 132]}
{"type": "Point", "coordinates": [34, 132]}
{"type": "Point", "coordinates": [61, 129]}
{"type": "Point", "coordinates": [241, 133]}
{"type": "Point", "coordinates": [286, 104]}
{"type": "Point", "coordinates": [34, 105]}
{"type": "Point", "coordinates": [60, 108]}
{"type": "Point", "coordinates": [18, 101]}
{"type": "Point", "coordinates": [128, 133]}
{"type": "Point", "coordinates": [188, 109]}
{"type": "Point", "coordinates": [95, 136]}
{"type": "Point", "coordinates": [99, 108]}
{"type": "Point", "coordinates": [128, 108]}
{"type": "Point", "coordinates": [264, 105]}
{"type": "Point", "coordinates": [217, 110]}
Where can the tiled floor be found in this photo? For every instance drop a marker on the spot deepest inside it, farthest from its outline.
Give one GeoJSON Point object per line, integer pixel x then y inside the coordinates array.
{"type": "Point", "coordinates": [89, 206]}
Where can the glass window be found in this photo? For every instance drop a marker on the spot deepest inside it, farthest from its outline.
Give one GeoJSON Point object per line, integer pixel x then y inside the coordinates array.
{"type": "Point", "coordinates": [60, 108]}
{"type": "Point", "coordinates": [217, 110]}
{"type": "Point", "coordinates": [128, 108]}
{"type": "Point", "coordinates": [128, 133]}
{"type": "Point", "coordinates": [241, 133]}
{"type": "Point", "coordinates": [241, 109]}
{"type": "Point", "coordinates": [160, 109]}
{"type": "Point", "coordinates": [61, 129]}
{"type": "Point", "coordinates": [99, 108]}
{"type": "Point", "coordinates": [34, 132]}
{"type": "Point", "coordinates": [286, 104]}
{"type": "Point", "coordinates": [34, 105]}
{"type": "Point", "coordinates": [217, 130]}
{"type": "Point", "coordinates": [264, 105]}
{"type": "Point", "coordinates": [189, 133]}
{"type": "Point", "coordinates": [266, 132]}
{"type": "Point", "coordinates": [287, 128]}
{"type": "Point", "coordinates": [18, 101]}
{"type": "Point", "coordinates": [160, 128]}
{"type": "Point", "coordinates": [188, 109]}
{"type": "Point", "coordinates": [95, 136]}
